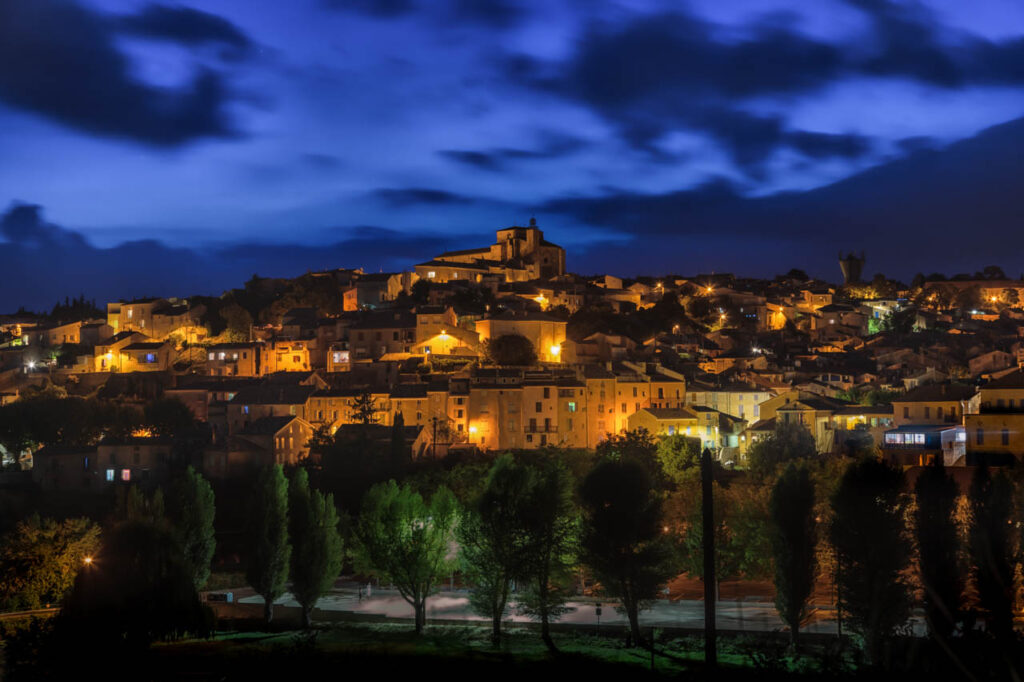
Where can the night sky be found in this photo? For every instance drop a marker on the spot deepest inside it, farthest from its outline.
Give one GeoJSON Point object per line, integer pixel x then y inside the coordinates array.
{"type": "Point", "coordinates": [171, 149]}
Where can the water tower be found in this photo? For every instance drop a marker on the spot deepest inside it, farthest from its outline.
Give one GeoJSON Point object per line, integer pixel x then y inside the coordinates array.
{"type": "Point", "coordinates": [852, 266]}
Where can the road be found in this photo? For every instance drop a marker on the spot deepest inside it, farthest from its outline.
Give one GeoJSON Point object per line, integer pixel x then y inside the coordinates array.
{"type": "Point", "coordinates": [736, 615]}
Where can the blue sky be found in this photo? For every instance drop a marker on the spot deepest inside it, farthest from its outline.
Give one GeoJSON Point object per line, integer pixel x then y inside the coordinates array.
{"type": "Point", "coordinates": [659, 136]}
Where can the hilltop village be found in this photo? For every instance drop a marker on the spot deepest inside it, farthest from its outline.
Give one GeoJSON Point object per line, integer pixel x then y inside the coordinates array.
{"type": "Point", "coordinates": [499, 348]}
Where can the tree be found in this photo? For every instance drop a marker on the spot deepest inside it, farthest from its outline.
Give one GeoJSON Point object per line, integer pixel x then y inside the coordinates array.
{"type": "Point", "coordinates": [41, 558]}
{"type": "Point", "coordinates": [1010, 297]}
{"type": "Point", "coordinates": [679, 456]}
{"type": "Point", "coordinates": [553, 535]}
{"type": "Point", "coordinates": [364, 409]}
{"type": "Point", "coordinates": [400, 454]}
{"type": "Point", "coordinates": [741, 532]}
{"type": "Point", "coordinates": [494, 539]}
{"type": "Point", "coordinates": [794, 538]}
{"type": "Point", "coordinates": [191, 511]}
{"type": "Point", "coordinates": [938, 548]}
{"type": "Point", "coordinates": [168, 418]}
{"type": "Point", "coordinates": [991, 550]}
{"type": "Point", "coordinates": [636, 445]}
{"type": "Point", "coordinates": [316, 544]}
{"type": "Point", "coordinates": [407, 541]}
{"type": "Point", "coordinates": [510, 349]}
{"type": "Point", "coordinates": [788, 442]}
{"type": "Point", "coordinates": [269, 551]}
{"type": "Point", "coordinates": [623, 541]}
{"type": "Point", "coordinates": [237, 322]}
{"type": "Point", "coordinates": [135, 591]}
{"type": "Point", "coordinates": [870, 565]}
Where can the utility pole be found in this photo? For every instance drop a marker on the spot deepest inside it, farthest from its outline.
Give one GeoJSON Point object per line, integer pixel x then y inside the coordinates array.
{"type": "Point", "coordinates": [708, 528]}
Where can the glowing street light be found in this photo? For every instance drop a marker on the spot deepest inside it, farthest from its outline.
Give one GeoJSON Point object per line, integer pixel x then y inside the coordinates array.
{"type": "Point", "coordinates": [87, 560]}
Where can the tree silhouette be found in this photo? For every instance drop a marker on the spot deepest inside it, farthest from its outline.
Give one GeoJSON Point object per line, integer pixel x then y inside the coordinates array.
{"type": "Point", "coordinates": [990, 548]}
{"type": "Point", "coordinates": [794, 538]}
{"type": "Point", "coordinates": [872, 588]}
{"type": "Point", "coordinates": [938, 548]}
{"type": "Point", "coordinates": [623, 540]}
{"type": "Point", "coordinates": [269, 551]}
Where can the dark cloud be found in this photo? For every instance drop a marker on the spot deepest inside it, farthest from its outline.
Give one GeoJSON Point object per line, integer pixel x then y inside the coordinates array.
{"type": "Point", "coordinates": [551, 145]}
{"type": "Point", "coordinates": [493, 13]}
{"type": "Point", "coordinates": [903, 214]}
{"type": "Point", "coordinates": [401, 198]}
{"type": "Point", "coordinates": [184, 25]}
{"type": "Point", "coordinates": [827, 145]}
{"type": "Point", "coordinates": [489, 161]}
{"type": "Point", "coordinates": [60, 60]}
{"type": "Point", "coordinates": [376, 8]}
{"type": "Point", "coordinates": [655, 74]}
{"type": "Point", "coordinates": [48, 262]}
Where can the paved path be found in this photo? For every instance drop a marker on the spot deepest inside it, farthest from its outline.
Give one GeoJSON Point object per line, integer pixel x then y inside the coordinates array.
{"type": "Point", "coordinates": [737, 615]}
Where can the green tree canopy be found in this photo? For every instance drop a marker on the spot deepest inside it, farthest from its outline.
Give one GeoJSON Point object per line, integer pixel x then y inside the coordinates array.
{"type": "Point", "coordinates": [316, 543]}
{"type": "Point", "coordinates": [407, 541]}
{"type": "Point", "coordinates": [788, 442]}
{"type": "Point", "coordinates": [40, 559]}
{"type": "Point", "coordinates": [510, 350]}
{"type": "Point", "coordinates": [553, 531]}
{"type": "Point", "coordinates": [269, 548]}
{"type": "Point", "coordinates": [494, 539]}
{"type": "Point", "coordinates": [191, 511]}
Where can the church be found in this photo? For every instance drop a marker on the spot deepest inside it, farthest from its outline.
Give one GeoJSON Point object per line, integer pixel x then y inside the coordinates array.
{"type": "Point", "coordinates": [519, 254]}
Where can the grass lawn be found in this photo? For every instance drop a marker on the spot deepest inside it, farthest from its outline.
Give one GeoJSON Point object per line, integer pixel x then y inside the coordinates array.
{"type": "Point", "coordinates": [458, 650]}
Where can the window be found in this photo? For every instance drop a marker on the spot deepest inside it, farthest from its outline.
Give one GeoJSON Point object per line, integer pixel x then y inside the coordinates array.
{"type": "Point", "coordinates": [927, 412]}
{"type": "Point", "coordinates": [547, 392]}
{"type": "Point", "coordinates": [671, 430]}
{"type": "Point", "coordinates": [110, 475]}
{"type": "Point", "coordinates": [938, 412]}
{"type": "Point", "coordinates": [572, 406]}
{"type": "Point", "coordinates": [126, 474]}
{"type": "Point", "coordinates": [431, 274]}
{"type": "Point", "coordinates": [538, 407]}
{"type": "Point", "coordinates": [979, 436]}
{"type": "Point", "coordinates": [661, 393]}
{"type": "Point", "coordinates": [245, 409]}
{"type": "Point", "coordinates": [634, 391]}
{"type": "Point", "coordinates": [458, 415]}
{"type": "Point", "coordinates": [623, 408]}
{"type": "Point", "coordinates": [906, 413]}
{"type": "Point", "coordinates": [1006, 436]}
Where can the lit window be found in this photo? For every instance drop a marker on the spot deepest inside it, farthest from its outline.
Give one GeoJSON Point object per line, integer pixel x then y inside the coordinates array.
{"type": "Point", "coordinates": [431, 274]}
{"type": "Point", "coordinates": [110, 475]}
{"type": "Point", "coordinates": [150, 357]}
{"type": "Point", "coordinates": [212, 356]}
{"type": "Point", "coordinates": [572, 407]}
{"type": "Point", "coordinates": [126, 474]}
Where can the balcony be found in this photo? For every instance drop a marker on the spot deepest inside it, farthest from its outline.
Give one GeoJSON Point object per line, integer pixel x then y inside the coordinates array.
{"type": "Point", "coordinates": [540, 429]}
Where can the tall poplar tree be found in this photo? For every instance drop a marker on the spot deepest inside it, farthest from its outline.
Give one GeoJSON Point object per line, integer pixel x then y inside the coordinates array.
{"type": "Point", "coordinates": [872, 551]}
{"type": "Point", "coordinates": [269, 550]}
{"type": "Point", "coordinates": [794, 538]}
{"type": "Point", "coordinates": [191, 508]}
{"type": "Point", "coordinates": [938, 548]}
{"type": "Point", "coordinates": [316, 544]}
{"type": "Point", "coordinates": [990, 547]}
